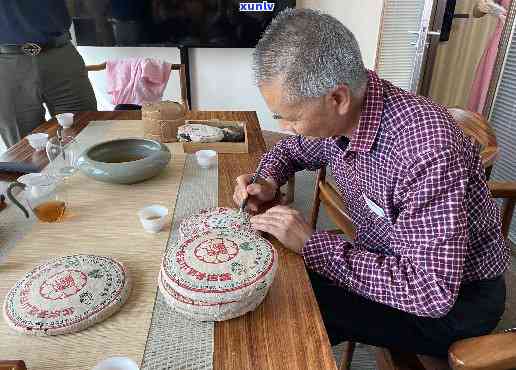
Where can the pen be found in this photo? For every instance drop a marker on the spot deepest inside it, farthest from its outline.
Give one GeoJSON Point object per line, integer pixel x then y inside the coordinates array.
{"type": "Point", "coordinates": [253, 180]}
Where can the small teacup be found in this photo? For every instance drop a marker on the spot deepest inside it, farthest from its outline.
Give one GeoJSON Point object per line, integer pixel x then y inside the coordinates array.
{"type": "Point", "coordinates": [65, 119]}
{"type": "Point", "coordinates": [206, 158]}
{"type": "Point", "coordinates": [153, 218]}
{"type": "Point", "coordinates": [38, 141]}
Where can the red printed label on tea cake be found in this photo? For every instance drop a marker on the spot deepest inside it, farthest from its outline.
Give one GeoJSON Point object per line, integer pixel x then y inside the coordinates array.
{"type": "Point", "coordinates": [218, 262]}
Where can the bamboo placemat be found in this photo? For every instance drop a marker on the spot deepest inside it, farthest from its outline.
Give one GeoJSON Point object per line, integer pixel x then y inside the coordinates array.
{"type": "Point", "coordinates": [102, 220]}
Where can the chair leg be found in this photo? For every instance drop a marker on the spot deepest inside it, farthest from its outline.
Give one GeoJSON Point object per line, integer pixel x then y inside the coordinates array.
{"type": "Point", "coordinates": [347, 356]}
{"type": "Point", "coordinates": [321, 175]}
{"type": "Point", "coordinates": [384, 360]}
{"type": "Point", "coordinates": [291, 187]}
{"type": "Point", "coordinates": [391, 360]}
{"type": "Point", "coordinates": [432, 363]}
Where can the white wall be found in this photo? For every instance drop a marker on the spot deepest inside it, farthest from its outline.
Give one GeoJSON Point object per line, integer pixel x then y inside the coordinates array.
{"type": "Point", "coordinates": [362, 17]}
{"type": "Point", "coordinates": [221, 79]}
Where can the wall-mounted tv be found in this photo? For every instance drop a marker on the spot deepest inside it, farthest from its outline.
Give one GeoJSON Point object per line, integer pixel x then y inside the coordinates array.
{"type": "Point", "coordinates": [188, 23]}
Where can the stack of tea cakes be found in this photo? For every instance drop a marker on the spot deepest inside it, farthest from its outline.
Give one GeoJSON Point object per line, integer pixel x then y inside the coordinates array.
{"type": "Point", "coordinates": [219, 268]}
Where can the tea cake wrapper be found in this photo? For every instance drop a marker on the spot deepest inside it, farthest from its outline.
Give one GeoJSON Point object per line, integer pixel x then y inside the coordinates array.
{"type": "Point", "coordinates": [216, 218]}
{"type": "Point", "coordinates": [233, 134]}
{"type": "Point", "coordinates": [199, 133]}
{"type": "Point", "coordinates": [66, 295]}
{"type": "Point", "coordinates": [207, 311]}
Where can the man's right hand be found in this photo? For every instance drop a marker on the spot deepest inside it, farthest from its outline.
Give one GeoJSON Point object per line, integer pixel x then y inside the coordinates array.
{"type": "Point", "coordinates": [260, 192]}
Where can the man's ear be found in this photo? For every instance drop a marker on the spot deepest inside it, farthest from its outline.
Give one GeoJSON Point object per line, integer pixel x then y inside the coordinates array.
{"type": "Point", "coordinates": [340, 98]}
{"type": "Point", "coordinates": [286, 126]}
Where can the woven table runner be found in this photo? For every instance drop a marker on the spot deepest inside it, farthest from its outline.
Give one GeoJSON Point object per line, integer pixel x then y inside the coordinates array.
{"type": "Point", "coordinates": [102, 219]}
{"type": "Point", "coordinates": [174, 341]}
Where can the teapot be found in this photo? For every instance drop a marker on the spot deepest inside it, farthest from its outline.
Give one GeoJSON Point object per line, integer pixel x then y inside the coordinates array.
{"type": "Point", "coordinates": [42, 195]}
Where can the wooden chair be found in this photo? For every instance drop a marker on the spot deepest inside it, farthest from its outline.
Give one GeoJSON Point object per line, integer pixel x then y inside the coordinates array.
{"type": "Point", "coordinates": [271, 138]}
{"type": "Point", "coordinates": [175, 67]}
{"type": "Point", "coordinates": [12, 365]}
{"type": "Point", "coordinates": [326, 194]}
{"type": "Point", "coordinates": [490, 352]}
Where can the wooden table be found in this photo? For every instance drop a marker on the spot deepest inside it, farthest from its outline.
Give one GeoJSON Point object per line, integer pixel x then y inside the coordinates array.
{"type": "Point", "coordinates": [286, 331]}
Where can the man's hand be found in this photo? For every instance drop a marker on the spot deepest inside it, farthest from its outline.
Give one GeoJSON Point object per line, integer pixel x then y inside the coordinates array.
{"type": "Point", "coordinates": [285, 224]}
{"type": "Point", "coordinates": [260, 192]}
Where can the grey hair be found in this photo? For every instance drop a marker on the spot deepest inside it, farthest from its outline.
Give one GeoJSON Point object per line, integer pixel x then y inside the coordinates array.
{"type": "Point", "coordinates": [311, 52]}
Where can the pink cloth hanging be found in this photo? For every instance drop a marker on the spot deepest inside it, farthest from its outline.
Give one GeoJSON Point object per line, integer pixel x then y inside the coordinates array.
{"type": "Point", "coordinates": [484, 72]}
{"type": "Point", "coordinates": [136, 80]}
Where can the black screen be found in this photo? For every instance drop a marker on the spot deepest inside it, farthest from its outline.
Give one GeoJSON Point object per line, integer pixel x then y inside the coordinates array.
{"type": "Point", "coordinates": [194, 23]}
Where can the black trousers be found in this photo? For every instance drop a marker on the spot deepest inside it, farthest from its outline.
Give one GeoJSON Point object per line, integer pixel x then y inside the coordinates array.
{"type": "Point", "coordinates": [350, 317]}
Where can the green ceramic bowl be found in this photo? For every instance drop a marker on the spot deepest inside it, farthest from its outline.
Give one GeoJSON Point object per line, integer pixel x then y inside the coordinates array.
{"type": "Point", "coordinates": [124, 161]}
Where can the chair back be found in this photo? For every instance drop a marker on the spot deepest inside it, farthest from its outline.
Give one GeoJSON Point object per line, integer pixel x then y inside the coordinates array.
{"type": "Point", "coordinates": [174, 67]}
{"type": "Point", "coordinates": [480, 131]}
{"type": "Point", "coordinates": [505, 190]}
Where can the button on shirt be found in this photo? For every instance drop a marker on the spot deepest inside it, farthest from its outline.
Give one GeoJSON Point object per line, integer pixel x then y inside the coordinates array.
{"type": "Point", "coordinates": [416, 191]}
{"type": "Point", "coordinates": [24, 21]}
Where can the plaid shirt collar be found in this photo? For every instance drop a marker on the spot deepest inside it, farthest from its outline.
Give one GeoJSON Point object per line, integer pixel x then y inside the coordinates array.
{"type": "Point", "coordinates": [363, 138]}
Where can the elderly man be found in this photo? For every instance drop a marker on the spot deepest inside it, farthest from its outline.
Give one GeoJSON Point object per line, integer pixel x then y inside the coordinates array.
{"type": "Point", "coordinates": [425, 268]}
{"type": "Point", "coordinates": [38, 64]}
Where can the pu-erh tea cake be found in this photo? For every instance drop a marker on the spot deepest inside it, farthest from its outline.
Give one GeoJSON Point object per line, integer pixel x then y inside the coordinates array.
{"type": "Point", "coordinates": [199, 133]}
{"type": "Point", "coordinates": [218, 275]}
{"type": "Point", "coordinates": [203, 310]}
{"type": "Point", "coordinates": [67, 294]}
{"type": "Point", "coordinates": [217, 218]}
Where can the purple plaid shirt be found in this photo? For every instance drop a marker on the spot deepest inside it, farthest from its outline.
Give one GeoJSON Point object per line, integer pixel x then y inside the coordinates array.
{"type": "Point", "coordinates": [417, 194]}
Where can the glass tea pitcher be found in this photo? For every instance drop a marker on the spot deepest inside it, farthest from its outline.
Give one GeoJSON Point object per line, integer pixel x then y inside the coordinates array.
{"type": "Point", "coordinates": [43, 194]}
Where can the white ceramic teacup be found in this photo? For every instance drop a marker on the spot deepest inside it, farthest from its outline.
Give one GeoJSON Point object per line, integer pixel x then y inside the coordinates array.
{"type": "Point", "coordinates": [153, 218]}
{"type": "Point", "coordinates": [206, 158]}
{"type": "Point", "coordinates": [65, 119]}
{"type": "Point", "coordinates": [38, 141]}
{"type": "Point", "coordinates": [117, 363]}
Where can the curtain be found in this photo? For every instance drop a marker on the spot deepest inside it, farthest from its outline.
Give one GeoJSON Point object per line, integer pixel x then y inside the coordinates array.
{"type": "Point", "coordinates": [484, 72]}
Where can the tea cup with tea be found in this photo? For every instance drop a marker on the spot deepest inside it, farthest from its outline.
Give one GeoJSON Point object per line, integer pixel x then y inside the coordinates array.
{"type": "Point", "coordinates": [153, 218]}
{"type": "Point", "coordinates": [43, 194]}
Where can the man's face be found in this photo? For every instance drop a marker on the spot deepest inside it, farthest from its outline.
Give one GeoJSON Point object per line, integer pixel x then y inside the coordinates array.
{"type": "Point", "coordinates": [313, 117]}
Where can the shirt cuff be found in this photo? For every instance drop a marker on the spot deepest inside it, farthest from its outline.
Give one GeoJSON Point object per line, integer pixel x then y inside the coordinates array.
{"type": "Point", "coordinates": [318, 250]}
{"type": "Point", "coordinates": [273, 174]}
